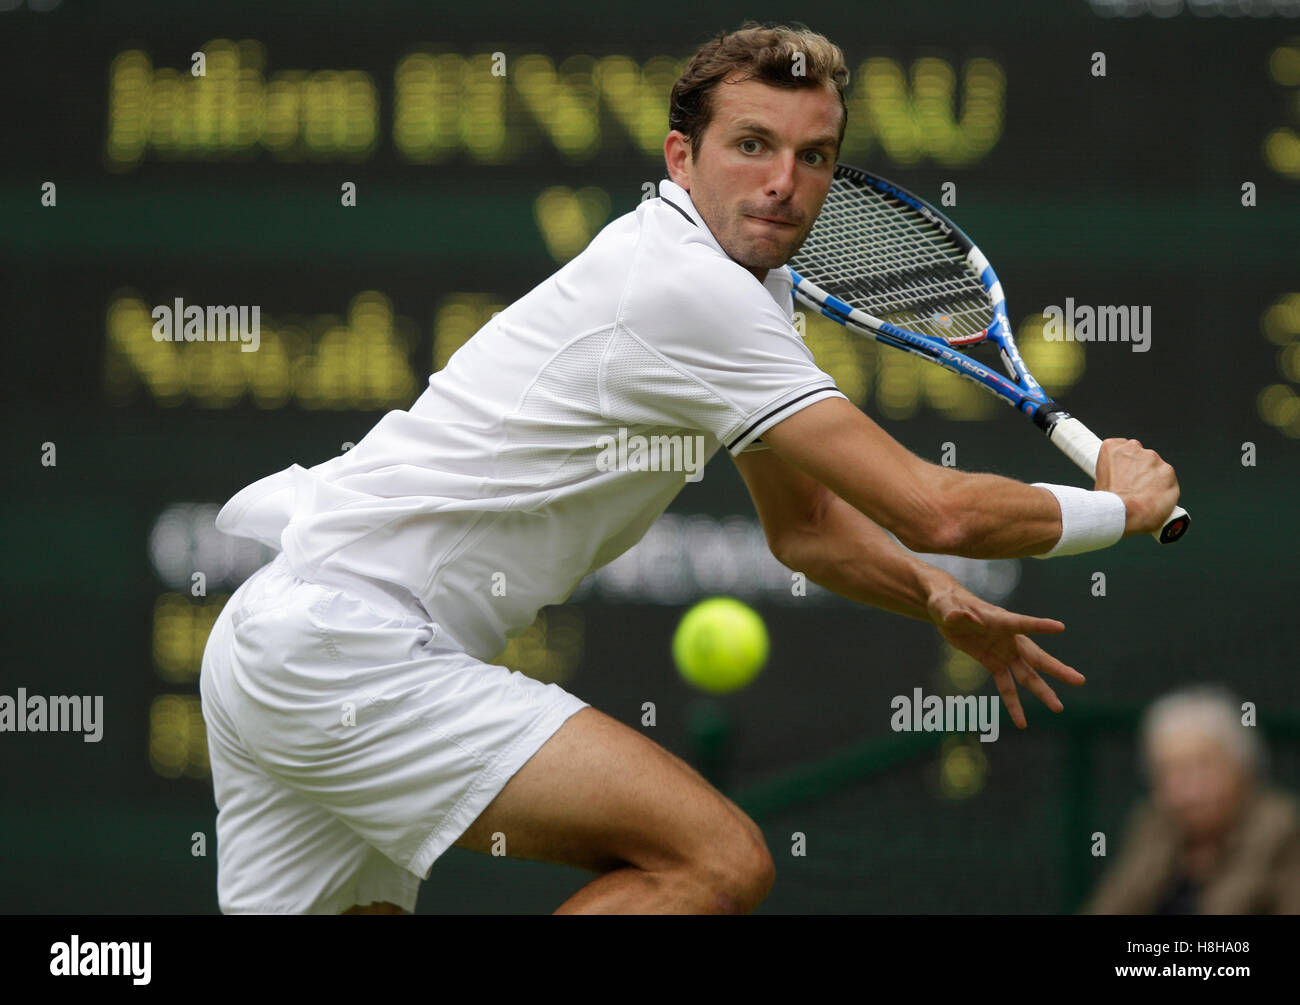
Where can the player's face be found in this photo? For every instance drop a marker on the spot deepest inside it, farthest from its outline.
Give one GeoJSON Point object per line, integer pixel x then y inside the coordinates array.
{"type": "Point", "coordinates": [764, 168]}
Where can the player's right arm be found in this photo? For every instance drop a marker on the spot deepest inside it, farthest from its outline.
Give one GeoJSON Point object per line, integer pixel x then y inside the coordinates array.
{"type": "Point", "coordinates": [934, 509]}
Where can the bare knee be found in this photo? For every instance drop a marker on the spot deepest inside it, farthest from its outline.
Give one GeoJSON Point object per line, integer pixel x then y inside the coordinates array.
{"type": "Point", "coordinates": [733, 874]}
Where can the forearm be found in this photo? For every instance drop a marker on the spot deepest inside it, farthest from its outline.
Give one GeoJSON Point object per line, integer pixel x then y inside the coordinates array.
{"type": "Point", "coordinates": [996, 517]}
{"type": "Point", "coordinates": [936, 509]}
{"type": "Point", "coordinates": [850, 555]}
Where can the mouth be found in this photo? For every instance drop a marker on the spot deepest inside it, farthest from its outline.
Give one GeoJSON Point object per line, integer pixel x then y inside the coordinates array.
{"type": "Point", "coordinates": [773, 221]}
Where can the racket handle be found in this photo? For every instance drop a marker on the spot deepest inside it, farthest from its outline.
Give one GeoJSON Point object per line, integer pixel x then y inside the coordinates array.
{"type": "Point", "coordinates": [1082, 446]}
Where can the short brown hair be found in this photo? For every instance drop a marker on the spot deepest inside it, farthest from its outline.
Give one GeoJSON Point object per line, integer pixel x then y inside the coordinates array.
{"type": "Point", "coordinates": [755, 52]}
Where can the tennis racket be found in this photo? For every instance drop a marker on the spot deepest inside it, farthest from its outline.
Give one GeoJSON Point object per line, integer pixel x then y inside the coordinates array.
{"type": "Point", "coordinates": [885, 263]}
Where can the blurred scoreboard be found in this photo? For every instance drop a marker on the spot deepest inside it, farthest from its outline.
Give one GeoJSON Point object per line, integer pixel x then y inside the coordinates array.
{"type": "Point", "coordinates": [377, 181]}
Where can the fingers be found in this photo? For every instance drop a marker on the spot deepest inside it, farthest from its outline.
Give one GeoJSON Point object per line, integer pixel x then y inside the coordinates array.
{"type": "Point", "coordinates": [1026, 675]}
{"type": "Point", "coordinates": [1023, 667]}
{"type": "Point", "coordinates": [1007, 688]}
{"type": "Point", "coordinates": [1037, 658]}
{"type": "Point", "coordinates": [997, 638]}
{"type": "Point", "coordinates": [975, 612]}
{"type": "Point", "coordinates": [1025, 624]}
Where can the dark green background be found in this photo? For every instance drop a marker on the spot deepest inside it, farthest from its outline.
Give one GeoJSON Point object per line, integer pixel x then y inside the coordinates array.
{"type": "Point", "coordinates": [1117, 190]}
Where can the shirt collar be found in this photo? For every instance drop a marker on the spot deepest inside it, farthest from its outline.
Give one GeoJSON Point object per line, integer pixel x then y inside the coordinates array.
{"type": "Point", "coordinates": [778, 281]}
{"type": "Point", "coordinates": [679, 200]}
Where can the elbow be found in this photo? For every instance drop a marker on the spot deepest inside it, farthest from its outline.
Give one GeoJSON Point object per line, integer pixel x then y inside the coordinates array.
{"type": "Point", "coordinates": [797, 542]}
{"type": "Point", "coordinates": [799, 549]}
{"type": "Point", "coordinates": [932, 517]}
{"type": "Point", "coordinates": [784, 550]}
{"type": "Point", "coordinates": [952, 537]}
{"type": "Point", "coordinates": [935, 529]}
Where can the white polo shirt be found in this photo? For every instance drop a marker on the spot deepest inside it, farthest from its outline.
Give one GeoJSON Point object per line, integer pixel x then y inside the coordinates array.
{"type": "Point", "coordinates": [494, 494]}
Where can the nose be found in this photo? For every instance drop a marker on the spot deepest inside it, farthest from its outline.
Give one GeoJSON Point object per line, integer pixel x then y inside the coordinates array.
{"type": "Point", "coordinates": [780, 183]}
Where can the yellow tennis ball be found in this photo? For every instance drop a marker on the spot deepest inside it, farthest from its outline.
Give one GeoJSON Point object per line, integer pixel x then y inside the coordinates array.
{"type": "Point", "coordinates": [720, 645]}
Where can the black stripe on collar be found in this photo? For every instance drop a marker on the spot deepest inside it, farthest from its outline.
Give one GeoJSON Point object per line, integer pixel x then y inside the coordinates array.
{"type": "Point", "coordinates": [686, 216]}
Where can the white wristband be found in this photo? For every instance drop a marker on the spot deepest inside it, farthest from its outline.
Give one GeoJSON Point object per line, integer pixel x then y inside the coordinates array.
{"type": "Point", "coordinates": [1089, 520]}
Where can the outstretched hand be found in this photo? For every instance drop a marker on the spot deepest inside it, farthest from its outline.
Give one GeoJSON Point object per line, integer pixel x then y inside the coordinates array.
{"type": "Point", "coordinates": [997, 639]}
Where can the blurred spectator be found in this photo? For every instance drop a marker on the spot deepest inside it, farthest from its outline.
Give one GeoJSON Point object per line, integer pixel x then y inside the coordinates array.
{"type": "Point", "coordinates": [1214, 838]}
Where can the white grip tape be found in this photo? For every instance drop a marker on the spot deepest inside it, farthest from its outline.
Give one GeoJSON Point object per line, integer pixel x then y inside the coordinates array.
{"type": "Point", "coordinates": [1078, 443]}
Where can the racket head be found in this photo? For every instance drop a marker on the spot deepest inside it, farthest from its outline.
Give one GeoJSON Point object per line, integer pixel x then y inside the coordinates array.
{"type": "Point", "coordinates": [882, 259]}
{"type": "Point", "coordinates": [887, 253]}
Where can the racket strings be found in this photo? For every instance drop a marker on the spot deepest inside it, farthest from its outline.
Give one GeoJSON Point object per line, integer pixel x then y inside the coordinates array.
{"type": "Point", "coordinates": [883, 257]}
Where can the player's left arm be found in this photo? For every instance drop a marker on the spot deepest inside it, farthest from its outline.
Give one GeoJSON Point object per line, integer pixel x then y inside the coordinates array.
{"type": "Point", "coordinates": [811, 530]}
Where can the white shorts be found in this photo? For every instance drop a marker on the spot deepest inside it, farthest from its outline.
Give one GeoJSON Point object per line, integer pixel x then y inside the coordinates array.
{"type": "Point", "coordinates": [349, 748]}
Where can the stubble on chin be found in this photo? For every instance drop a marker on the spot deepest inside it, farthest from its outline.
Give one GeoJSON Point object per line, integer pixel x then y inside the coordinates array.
{"type": "Point", "coordinates": [753, 258]}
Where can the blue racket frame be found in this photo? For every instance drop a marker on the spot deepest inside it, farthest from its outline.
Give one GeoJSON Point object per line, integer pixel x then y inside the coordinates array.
{"type": "Point", "coordinates": [1021, 390]}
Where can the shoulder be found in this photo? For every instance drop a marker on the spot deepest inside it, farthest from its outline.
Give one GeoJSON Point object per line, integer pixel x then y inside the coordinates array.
{"type": "Point", "coordinates": [1274, 816]}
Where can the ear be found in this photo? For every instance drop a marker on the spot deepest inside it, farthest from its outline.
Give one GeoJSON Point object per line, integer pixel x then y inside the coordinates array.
{"type": "Point", "coordinates": [677, 157]}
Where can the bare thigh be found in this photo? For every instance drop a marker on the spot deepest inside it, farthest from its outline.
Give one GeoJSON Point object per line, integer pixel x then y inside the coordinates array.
{"type": "Point", "coordinates": [600, 796]}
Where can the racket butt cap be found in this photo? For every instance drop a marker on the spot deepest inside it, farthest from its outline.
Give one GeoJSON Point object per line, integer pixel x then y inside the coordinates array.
{"type": "Point", "coordinates": [1176, 527]}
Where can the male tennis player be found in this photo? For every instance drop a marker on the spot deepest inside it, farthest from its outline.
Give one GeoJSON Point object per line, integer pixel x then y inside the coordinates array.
{"type": "Point", "coordinates": [357, 724]}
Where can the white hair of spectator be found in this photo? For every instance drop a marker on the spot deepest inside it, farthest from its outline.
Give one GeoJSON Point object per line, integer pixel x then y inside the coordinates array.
{"type": "Point", "coordinates": [1211, 711]}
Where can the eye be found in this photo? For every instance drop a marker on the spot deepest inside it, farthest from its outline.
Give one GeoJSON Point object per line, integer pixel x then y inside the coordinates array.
{"type": "Point", "coordinates": [815, 157]}
{"type": "Point", "coordinates": [750, 146]}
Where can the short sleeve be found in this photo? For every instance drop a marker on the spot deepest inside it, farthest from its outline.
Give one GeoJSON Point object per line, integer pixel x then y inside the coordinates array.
{"type": "Point", "coordinates": [716, 353]}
